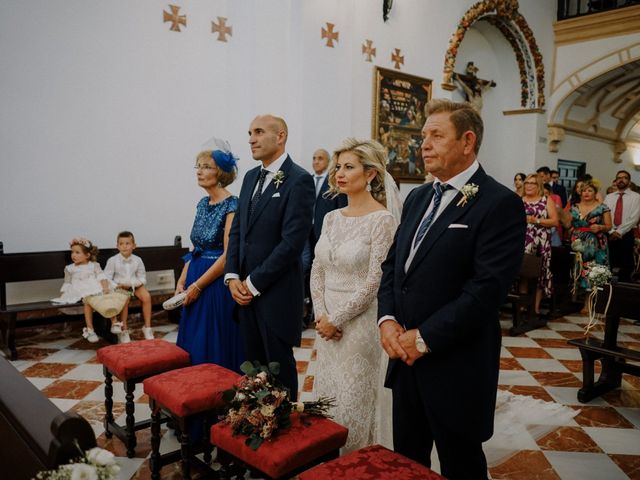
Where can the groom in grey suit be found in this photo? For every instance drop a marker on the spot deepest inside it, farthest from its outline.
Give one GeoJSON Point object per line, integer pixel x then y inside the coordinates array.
{"type": "Point", "coordinates": [456, 252]}
{"type": "Point", "coordinates": [264, 265]}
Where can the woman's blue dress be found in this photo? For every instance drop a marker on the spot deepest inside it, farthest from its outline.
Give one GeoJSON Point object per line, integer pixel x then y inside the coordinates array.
{"type": "Point", "coordinates": [207, 330]}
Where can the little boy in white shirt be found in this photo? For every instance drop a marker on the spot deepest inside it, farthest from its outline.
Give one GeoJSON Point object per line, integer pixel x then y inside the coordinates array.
{"type": "Point", "coordinates": [126, 271]}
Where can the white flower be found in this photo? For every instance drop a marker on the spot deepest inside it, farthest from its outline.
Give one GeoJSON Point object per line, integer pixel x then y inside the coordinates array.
{"type": "Point", "coordinates": [100, 456]}
{"type": "Point", "coordinates": [299, 406]}
{"type": "Point", "coordinates": [468, 191]}
{"type": "Point", "coordinates": [241, 396]}
{"type": "Point", "coordinates": [82, 471]}
{"type": "Point", "coordinates": [599, 275]}
{"type": "Point", "coordinates": [267, 410]}
{"type": "Point", "coordinates": [278, 178]}
{"type": "Point", "coordinates": [263, 375]}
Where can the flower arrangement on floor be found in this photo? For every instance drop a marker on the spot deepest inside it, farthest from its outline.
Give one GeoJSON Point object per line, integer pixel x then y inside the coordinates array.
{"type": "Point", "coordinates": [598, 276]}
{"type": "Point", "coordinates": [94, 464]}
{"type": "Point", "coordinates": [259, 406]}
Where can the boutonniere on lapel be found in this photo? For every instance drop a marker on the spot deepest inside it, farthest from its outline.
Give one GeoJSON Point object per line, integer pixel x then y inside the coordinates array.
{"type": "Point", "coordinates": [278, 178]}
{"type": "Point", "coordinates": [468, 191]}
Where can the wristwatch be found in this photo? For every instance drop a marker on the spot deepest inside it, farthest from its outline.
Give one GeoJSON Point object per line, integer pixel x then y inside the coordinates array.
{"type": "Point", "coordinates": [421, 346]}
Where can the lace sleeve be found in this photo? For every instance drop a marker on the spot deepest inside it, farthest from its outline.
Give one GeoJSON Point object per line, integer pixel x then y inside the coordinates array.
{"type": "Point", "coordinates": [316, 285]}
{"type": "Point", "coordinates": [316, 280]}
{"type": "Point", "coordinates": [365, 293]}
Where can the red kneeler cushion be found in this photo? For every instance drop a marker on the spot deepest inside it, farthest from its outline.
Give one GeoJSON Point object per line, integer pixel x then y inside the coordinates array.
{"type": "Point", "coordinates": [191, 390]}
{"type": "Point", "coordinates": [371, 463]}
{"type": "Point", "coordinates": [143, 358]}
{"type": "Point", "coordinates": [287, 450]}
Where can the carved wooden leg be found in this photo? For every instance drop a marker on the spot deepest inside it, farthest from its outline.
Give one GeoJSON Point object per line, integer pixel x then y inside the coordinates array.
{"type": "Point", "coordinates": [129, 388]}
{"type": "Point", "coordinates": [154, 461]}
{"type": "Point", "coordinates": [185, 449]}
{"type": "Point", "coordinates": [207, 447]}
{"type": "Point", "coordinates": [108, 402]}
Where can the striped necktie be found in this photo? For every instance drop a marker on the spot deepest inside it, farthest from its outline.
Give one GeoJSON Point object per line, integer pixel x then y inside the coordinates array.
{"type": "Point", "coordinates": [439, 189]}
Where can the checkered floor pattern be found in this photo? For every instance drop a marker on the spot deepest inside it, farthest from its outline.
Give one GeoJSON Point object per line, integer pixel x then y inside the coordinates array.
{"type": "Point", "coordinates": [601, 442]}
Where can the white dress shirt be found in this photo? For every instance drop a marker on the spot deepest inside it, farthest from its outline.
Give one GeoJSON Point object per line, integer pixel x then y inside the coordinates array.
{"type": "Point", "coordinates": [456, 183]}
{"type": "Point", "coordinates": [271, 170]}
{"type": "Point", "coordinates": [630, 210]}
{"type": "Point", "coordinates": [121, 270]}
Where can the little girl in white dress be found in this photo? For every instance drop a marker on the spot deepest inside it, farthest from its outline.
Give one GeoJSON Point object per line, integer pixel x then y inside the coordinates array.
{"type": "Point", "coordinates": [83, 278]}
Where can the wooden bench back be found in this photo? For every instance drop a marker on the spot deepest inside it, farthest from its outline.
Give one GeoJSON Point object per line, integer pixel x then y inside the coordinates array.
{"type": "Point", "coordinates": [29, 266]}
{"type": "Point", "coordinates": [530, 268]}
{"type": "Point", "coordinates": [35, 434]}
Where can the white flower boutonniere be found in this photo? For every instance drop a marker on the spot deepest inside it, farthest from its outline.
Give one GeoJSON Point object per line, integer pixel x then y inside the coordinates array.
{"type": "Point", "coordinates": [468, 191]}
{"type": "Point", "coordinates": [278, 178]}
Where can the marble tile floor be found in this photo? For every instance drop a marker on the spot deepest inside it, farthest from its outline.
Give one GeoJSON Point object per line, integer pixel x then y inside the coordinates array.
{"type": "Point", "coordinates": [601, 442]}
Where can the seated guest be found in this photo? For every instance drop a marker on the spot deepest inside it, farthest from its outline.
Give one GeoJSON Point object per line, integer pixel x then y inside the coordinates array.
{"type": "Point", "coordinates": [207, 330]}
{"type": "Point", "coordinates": [541, 217]}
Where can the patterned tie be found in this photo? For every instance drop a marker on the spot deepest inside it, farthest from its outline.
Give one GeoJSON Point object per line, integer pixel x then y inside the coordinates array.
{"type": "Point", "coordinates": [439, 189]}
{"type": "Point", "coordinates": [256, 196]}
{"type": "Point", "coordinates": [617, 214]}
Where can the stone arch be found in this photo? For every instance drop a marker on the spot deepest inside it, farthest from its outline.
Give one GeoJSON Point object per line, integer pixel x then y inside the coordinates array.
{"type": "Point", "coordinates": [503, 15]}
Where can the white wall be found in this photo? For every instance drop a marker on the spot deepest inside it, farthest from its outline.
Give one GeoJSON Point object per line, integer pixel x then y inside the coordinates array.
{"type": "Point", "coordinates": [104, 109]}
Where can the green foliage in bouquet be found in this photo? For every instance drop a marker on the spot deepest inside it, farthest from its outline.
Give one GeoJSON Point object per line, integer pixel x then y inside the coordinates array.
{"type": "Point", "coordinates": [258, 405]}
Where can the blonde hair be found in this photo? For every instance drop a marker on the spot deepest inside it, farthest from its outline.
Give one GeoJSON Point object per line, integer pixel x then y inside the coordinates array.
{"type": "Point", "coordinates": [538, 182]}
{"type": "Point", "coordinates": [372, 156]}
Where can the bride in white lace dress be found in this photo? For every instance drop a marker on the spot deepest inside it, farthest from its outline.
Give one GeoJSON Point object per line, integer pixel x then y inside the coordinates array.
{"type": "Point", "coordinates": [345, 278]}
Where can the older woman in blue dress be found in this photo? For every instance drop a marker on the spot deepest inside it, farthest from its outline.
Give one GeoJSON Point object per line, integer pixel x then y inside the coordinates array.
{"type": "Point", "coordinates": [207, 330]}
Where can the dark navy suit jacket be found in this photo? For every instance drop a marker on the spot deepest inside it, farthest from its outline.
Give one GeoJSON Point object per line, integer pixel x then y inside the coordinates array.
{"type": "Point", "coordinates": [268, 247]}
{"type": "Point", "coordinates": [451, 292]}
{"type": "Point", "coordinates": [323, 206]}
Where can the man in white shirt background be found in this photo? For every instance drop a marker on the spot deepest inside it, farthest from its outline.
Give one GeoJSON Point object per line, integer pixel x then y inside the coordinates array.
{"type": "Point", "coordinates": [625, 213]}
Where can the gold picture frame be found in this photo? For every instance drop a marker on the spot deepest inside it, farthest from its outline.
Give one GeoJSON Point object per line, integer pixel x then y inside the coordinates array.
{"type": "Point", "coordinates": [398, 116]}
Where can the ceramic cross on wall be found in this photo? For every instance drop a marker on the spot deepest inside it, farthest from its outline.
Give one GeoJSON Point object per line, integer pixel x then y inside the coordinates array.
{"type": "Point", "coordinates": [329, 34]}
{"type": "Point", "coordinates": [222, 29]}
{"type": "Point", "coordinates": [175, 18]}
{"type": "Point", "coordinates": [368, 50]}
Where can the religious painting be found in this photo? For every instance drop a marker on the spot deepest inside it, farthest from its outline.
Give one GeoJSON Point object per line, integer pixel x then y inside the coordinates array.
{"type": "Point", "coordinates": [398, 116]}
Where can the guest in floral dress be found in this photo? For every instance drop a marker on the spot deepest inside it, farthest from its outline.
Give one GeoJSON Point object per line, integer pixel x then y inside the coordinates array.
{"type": "Point", "coordinates": [590, 220]}
{"type": "Point", "coordinates": [541, 217]}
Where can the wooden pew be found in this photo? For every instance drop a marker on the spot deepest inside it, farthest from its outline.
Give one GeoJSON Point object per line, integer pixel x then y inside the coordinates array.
{"type": "Point", "coordinates": [625, 302]}
{"type": "Point", "coordinates": [34, 434]}
{"type": "Point", "coordinates": [523, 304]}
{"type": "Point", "coordinates": [29, 266]}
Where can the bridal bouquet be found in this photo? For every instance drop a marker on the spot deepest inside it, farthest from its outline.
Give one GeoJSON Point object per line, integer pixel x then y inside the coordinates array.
{"type": "Point", "coordinates": [95, 464]}
{"type": "Point", "coordinates": [258, 405]}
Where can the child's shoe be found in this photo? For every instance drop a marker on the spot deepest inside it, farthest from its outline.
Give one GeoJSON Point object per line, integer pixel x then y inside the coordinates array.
{"type": "Point", "coordinates": [148, 333]}
{"type": "Point", "coordinates": [90, 335]}
{"type": "Point", "coordinates": [124, 337]}
{"type": "Point", "coordinates": [116, 327]}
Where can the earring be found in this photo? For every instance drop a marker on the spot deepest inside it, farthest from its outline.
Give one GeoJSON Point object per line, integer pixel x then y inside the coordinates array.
{"type": "Point", "coordinates": [368, 186]}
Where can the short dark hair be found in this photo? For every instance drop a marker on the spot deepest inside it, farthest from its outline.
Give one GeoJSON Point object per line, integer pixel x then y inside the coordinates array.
{"type": "Point", "coordinates": [544, 170]}
{"type": "Point", "coordinates": [126, 234]}
{"type": "Point", "coordinates": [554, 171]}
{"type": "Point", "coordinates": [625, 172]}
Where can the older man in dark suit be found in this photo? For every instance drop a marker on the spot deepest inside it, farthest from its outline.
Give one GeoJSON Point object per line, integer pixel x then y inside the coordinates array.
{"type": "Point", "coordinates": [264, 265]}
{"type": "Point", "coordinates": [456, 252]}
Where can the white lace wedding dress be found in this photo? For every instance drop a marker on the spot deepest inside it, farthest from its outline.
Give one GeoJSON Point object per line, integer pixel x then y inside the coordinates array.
{"type": "Point", "coordinates": [344, 284]}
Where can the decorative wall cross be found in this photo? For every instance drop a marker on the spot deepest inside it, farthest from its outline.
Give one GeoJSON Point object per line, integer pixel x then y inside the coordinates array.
{"type": "Point", "coordinates": [397, 58]}
{"type": "Point", "coordinates": [368, 50]}
{"type": "Point", "coordinates": [329, 34]}
{"type": "Point", "coordinates": [222, 29]}
{"type": "Point", "coordinates": [173, 17]}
